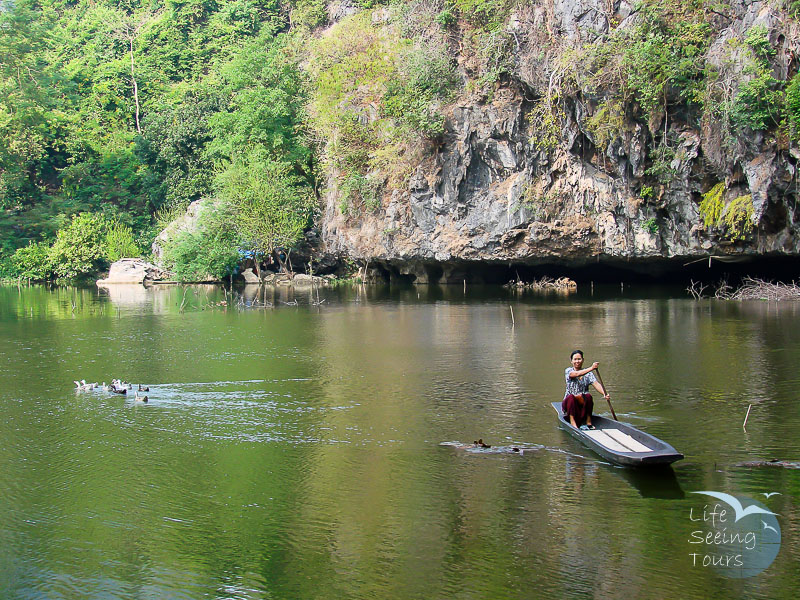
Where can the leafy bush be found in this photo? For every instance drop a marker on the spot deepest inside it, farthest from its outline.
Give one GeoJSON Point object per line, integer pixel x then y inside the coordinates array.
{"type": "Point", "coordinates": [360, 189]}
{"type": "Point", "coordinates": [758, 102]}
{"type": "Point", "coordinates": [79, 248]}
{"type": "Point", "coordinates": [32, 262]}
{"type": "Point", "coordinates": [607, 123]}
{"type": "Point", "coordinates": [375, 92]}
{"type": "Point", "coordinates": [120, 242]}
{"type": "Point", "coordinates": [793, 107]}
{"type": "Point", "coordinates": [662, 57]}
{"type": "Point", "coordinates": [712, 205]}
{"type": "Point", "coordinates": [270, 206]}
{"type": "Point", "coordinates": [545, 120]}
{"type": "Point", "coordinates": [738, 217]}
{"type": "Point", "coordinates": [661, 166]}
{"type": "Point", "coordinates": [650, 225]}
{"type": "Point", "coordinates": [486, 13]}
{"type": "Point", "coordinates": [211, 252]}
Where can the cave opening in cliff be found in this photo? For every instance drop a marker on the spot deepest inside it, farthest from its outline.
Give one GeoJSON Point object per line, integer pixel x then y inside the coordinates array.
{"type": "Point", "coordinates": [681, 271]}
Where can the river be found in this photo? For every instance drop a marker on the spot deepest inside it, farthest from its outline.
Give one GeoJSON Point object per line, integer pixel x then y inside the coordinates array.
{"type": "Point", "coordinates": [293, 451]}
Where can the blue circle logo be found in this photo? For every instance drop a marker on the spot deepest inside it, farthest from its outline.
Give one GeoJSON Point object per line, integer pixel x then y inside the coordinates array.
{"type": "Point", "coordinates": [736, 536]}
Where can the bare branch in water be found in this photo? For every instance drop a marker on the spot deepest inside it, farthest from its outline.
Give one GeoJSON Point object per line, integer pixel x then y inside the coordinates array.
{"type": "Point", "coordinates": [751, 288]}
{"type": "Point", "coordinates": [696, 289]}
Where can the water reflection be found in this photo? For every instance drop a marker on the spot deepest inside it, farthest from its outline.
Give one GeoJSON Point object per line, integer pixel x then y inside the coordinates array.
{"type": "Point", "coordinates": [293, 451]}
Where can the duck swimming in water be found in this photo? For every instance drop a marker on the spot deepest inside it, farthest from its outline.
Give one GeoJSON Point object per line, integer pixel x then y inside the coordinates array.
{"type": "Point", "coordinates": [82, 386]}
{"type": "Point", "coordinates": [140, 399]}
{"type": "Point", "coordinates": [143, 389]}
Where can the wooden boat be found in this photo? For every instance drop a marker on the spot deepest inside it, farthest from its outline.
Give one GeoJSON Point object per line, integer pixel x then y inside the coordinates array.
{"type": "Point", "coordinates": [620, 443]}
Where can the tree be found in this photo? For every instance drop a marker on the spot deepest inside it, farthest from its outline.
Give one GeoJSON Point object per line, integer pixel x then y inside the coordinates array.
{"type": "Point", "coordinates": [128, 27]}
{"type": "Point", "coordinates": [271, 205]}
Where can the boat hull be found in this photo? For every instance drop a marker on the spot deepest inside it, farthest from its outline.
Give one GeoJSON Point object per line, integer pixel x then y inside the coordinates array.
{"type": "Point", "coordinates": [614, 440]}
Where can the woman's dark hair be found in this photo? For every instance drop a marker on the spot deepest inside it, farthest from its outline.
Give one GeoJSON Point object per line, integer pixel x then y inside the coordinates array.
{"type": "Point", "coordinates": [574, 352]}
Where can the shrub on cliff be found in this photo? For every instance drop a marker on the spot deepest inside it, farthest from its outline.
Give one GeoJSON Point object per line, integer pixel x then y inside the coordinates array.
{"type": "Point", "coordinates": [793, 107]}
{"type": "Point", "coordinates": [377, 88]}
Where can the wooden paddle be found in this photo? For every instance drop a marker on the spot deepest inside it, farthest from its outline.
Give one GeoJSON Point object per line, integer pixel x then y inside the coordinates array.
{"type": "Point", "coordinates": [605, 389]}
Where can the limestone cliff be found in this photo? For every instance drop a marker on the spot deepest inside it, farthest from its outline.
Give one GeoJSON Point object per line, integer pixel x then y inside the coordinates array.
{"type": "Point", "coordinates": [487, 189]}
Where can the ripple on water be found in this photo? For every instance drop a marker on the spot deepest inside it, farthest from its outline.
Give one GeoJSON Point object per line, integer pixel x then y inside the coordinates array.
{"type": "Point", "coordinates": [256, 410]}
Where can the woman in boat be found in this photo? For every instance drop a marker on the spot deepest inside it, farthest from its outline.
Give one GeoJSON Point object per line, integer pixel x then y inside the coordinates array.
{"type": "Point", "coordinates": [578, 403]}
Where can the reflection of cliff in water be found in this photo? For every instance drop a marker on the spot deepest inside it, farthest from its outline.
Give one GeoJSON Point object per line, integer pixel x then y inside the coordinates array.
{"type": "Point", "coordinates": [160, 299]}
{"type": "Point", "coordinates": [127, 294]}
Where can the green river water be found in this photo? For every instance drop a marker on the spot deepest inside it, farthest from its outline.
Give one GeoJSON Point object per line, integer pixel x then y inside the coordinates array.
{"type": "Point", "coordinates": [294, 451]}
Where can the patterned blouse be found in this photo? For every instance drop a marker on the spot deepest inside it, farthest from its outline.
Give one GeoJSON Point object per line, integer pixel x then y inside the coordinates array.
{"type": "Point", "coordinates": [578, 385]}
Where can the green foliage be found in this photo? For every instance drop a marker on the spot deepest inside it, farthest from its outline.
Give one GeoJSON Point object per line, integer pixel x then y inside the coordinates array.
{"type": "Point", "coordinates": [79, 248]}
{"type": "Point", "coordinates": [265, 92]}
{"type": "Point", "coordinates": [738, 217]}
{"type": "Point", "coordinates": [356, 189]}
{"type": "Point", "coordinates": [650, 225]}
{"type": "Point", "coordinates": [70, 74]}
{"type": "Point", "coordinates": [659, 60]}
{"type": "Point", "coordinates": [309, 14]}
{"type": "Point", "coordinates": [426, 76]}
{"type": "Point", "coordinates": [793, 107]}
{"type": "Point", "coordinates": [120, 242]}
{"type": "Point", "coordinates": [375, 92]}
{"type": "Point", "coordinates": [607, 123]}
{"type": "Point", "coordinates": [661, 165]}
{"type": "Point", "coordinates": [270, 206]}
{"type": "Point", "coordinates": [211, 252]}
{"type": "Point", "coordinates": [176, 133]}
{"type": "Point", "coordinates": [30, 119]}
{"type": "Point", "coordinates": [759, 101]}
{"type": "Point", "coordinates": [545, 120]}
{"type": "Point", "coordinates": [490, 14]}
{"type": "Point", "coordinates": [446, 18]}
{"type": "Point", "coordinates": [712, 205]}
{"type": "Point", "coordinates": [757, 38]}
{"type": "Point", "coordinates": [646, 193]}
{"type": "Point", "coordinates": [31, 262]}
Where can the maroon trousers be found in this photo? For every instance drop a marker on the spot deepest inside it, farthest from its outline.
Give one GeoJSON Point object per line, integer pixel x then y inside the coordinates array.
{"type": "Point", "coordinates": [572, 405]}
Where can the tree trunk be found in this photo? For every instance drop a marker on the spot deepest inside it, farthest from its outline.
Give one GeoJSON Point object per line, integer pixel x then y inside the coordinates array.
{"type": "Point", "coordinates": [135, 87]}
{"type": "Point", "coordinates": [281, 264]}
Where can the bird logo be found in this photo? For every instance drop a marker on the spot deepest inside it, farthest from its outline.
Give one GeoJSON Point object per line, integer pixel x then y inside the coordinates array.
{"type": "Point", "coordinates": [766, 526]}
{"type": "Point", "coordinates": [739, 511]}
{"type": "Point", "coordinates": [771, 494]}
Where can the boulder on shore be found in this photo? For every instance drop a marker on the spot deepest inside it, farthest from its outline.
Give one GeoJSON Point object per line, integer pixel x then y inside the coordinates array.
{"type": "Point", "coordinates": [134, 270]}
{"type": "Point", "coordinates": [250, 277]}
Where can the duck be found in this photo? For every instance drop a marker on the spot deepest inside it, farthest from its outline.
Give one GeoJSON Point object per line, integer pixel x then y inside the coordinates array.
{"type": "Point", "coordinates": [82, 386]}
{"type": "Point", "coordinates": [140, 399]}
{"type": "Point", "coordinates": [143, 389]}
{"type": "Point", "coordinates": [479, 444]}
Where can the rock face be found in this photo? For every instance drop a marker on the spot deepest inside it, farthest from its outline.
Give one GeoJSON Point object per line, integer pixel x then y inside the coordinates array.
{"type": "Point", "coordinates": [133, 270]}
{"type": "Point", "coordinates": [487, 192]}
{"type": "Point", "coordinates": [188, 221]}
